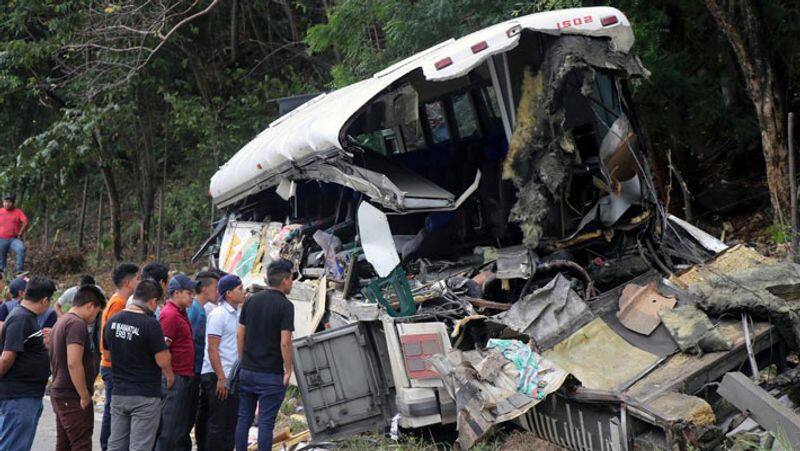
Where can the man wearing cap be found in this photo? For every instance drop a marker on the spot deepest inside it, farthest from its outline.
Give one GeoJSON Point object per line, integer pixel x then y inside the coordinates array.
{"type": "Point", "coordinates": [176, 415]}
{"type": "Point", "coordinates": [13, 225]}
{"type": "Point", "coordinates": [219, 357]}
{"type": "Point", "coordinates": [264, 342]}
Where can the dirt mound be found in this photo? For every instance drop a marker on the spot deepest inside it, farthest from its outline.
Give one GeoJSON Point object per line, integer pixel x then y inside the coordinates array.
{"type": "Point", "coordinates": [54, 261]}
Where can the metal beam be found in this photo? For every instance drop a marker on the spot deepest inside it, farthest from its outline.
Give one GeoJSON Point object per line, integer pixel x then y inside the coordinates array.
{"type": "Point", "coordinates": [763, 407]}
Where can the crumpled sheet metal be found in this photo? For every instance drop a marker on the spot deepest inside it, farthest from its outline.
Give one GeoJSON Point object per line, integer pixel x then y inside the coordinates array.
{"type": "Point", "coordinates": [639, 307]}
{"type": "Point", "coordinates": [485, 389]}
{"type": "Point", "coordinates": [693, 331]}
{"type": "Point", "coordinates": [538, 159]}
{"type": "Point", "coordinates": [547, 314]}
{"type": "Point", "coordinates": [742, 280]}
{"type": "Point", "coordinates": [599, 358]}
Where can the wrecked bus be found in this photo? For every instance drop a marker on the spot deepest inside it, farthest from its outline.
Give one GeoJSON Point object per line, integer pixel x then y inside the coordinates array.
{"type": "Point", "coordinates": [479, 241]}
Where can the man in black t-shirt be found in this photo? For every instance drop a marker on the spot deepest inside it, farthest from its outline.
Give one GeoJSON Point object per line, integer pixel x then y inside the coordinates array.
{"type": "Point", "coordinates": [264, 340]}
{"type": "Point", "coordinates": [24, 366]}
{"type": "Point", "coordinates": [136, 348]}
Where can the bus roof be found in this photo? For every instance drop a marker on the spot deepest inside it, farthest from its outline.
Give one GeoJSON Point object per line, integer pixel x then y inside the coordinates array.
{"type": "Point", "coordinates": [313, 131]}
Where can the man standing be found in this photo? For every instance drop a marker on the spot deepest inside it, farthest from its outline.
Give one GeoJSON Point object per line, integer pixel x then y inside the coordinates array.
{"type": "Point", "coordinates": [125, 278]}
{"type": "Point", "coordinates": [264, 341]}
{"type": "Point", "coordinates": [220, 354]}
{"type": "Point", "coordinates": [206, 295]}
{"type": "Point", "coordinates": [13, 225]}
{"type": "Point", "coordinates": [17, 290]}
{"type": "Point", "coordinates": [74, 370]}
{"type": "Point", "coordinates": [136, 346]}
{"type": "Point", "coordinates": [24, 368]}
{"type": "Point", "coordinates": [176, 418]}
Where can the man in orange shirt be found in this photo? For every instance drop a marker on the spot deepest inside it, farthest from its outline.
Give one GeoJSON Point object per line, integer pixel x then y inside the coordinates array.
{"type": "Point", "coordinates": [126, 278]}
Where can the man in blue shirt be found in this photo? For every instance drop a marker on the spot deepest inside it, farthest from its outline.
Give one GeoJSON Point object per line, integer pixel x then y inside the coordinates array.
{"type": "Point", "coordinates": [206, 294]}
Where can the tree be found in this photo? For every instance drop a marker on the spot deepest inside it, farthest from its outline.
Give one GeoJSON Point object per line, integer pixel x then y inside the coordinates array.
{"type": "Point", "coordinates": [740, 21]}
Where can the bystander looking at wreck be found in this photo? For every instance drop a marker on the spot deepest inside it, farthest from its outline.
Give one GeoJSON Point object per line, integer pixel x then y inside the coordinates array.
{"type": "Point", "coordinates": [264, 342]}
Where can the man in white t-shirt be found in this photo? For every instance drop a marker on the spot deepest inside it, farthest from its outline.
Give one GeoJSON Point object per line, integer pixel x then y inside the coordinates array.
{"type": "Point", "coordinates": [220, 355]}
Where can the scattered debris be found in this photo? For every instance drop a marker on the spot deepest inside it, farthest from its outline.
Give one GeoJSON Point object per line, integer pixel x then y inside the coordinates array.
{"type": "Point", "coordinates": [553, 291]}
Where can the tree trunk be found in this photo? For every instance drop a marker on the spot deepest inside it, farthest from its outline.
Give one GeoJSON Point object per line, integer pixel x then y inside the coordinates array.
{"type": "Point", "coordinates": [113, 199]}
{"type": "Point", "coordinates": [114, 204]}
{"type": "Point", "coordinates": [82, 222]}
{"type": "Point", "coordinates": [234, 31]}
{"type": "Point", "coordinates": [287, 9]}
{"type": "Point", "coordinates": [741, 23]}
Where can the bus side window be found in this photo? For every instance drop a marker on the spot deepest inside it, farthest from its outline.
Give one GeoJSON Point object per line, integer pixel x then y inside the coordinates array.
{"type": "Point", "coordinates": [465, 116]}
{"type": "Point", "coordinates": [437, 122]}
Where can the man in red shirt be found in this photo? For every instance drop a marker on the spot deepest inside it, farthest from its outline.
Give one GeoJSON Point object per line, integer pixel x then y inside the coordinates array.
{"type": "Point", "coordinates": [176, 417]}
{"type": "Point", "coordinates": [13, 225]}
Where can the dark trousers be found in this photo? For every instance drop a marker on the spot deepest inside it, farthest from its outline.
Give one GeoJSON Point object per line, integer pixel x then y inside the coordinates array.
{"type": "Point", "coordinates": [19, 418]}
{"type": "Point", "coordinates": [200, 420]}
{"type": "Point", "coordinates": [221, 415]}
{"type": "Point", "coordinates": [105, 427]}
{"type": "Point", "coordinates": [74, 425]}
{"type": "Point", "coordinates": [176, 418]}
{"type": "Point", "coordinates": [266, 390]}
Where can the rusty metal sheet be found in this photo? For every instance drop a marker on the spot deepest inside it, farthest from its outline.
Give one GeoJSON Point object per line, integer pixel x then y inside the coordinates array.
{"type": "Point", "coordinates": [639, 306]}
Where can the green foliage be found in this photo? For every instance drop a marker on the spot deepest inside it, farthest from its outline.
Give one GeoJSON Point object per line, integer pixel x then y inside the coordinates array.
{"type": "Point", "coordinates": [368, 35]}
{"type": "Point", "coordinates": [196, 103]}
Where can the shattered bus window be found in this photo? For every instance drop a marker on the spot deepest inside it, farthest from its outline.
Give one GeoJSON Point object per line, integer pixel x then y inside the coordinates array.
{"type": "Point", "coordinates": [437, 122]}
{"type": "Point", "coordinates": [465, 117]}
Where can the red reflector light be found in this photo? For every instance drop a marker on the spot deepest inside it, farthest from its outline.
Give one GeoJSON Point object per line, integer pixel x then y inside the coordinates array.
{"type": "Point", "coordinates": [479, 47]}
{"type": "Point", "coordinates": [609, 20]}
{"type": "Point", "coordinates": [258, 165]}
{"type": "Point", "coordinates": [442, 63]}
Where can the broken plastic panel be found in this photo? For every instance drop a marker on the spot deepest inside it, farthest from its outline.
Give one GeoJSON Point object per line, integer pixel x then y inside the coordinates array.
{"type": "Point", "coordinates": [376, 239]}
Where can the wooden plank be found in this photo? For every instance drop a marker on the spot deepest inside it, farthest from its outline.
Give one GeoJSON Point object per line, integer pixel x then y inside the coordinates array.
{"type": "Point", "coordinates": [763, 407]}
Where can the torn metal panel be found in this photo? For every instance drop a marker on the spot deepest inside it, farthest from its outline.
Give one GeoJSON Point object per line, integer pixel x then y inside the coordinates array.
{"type": "Point", "coordinates": [514, 263]}
{"type": "Point", "coordinates": [538, 162]}
{"type": "Point", "coordinates": [763, 407]}
{"type": "Point", "coordinates": [600, 358]}
{"type": "Point", "coordinates": [341, 383]}
{"type": "Point", "coordinates": [575, 426]}
{"type": "Point", "coordinates": [548, 314]}
{"type": "Point", "coordinates": [709, 242]}
{"type": "Point", "coordinates": [639, 307]}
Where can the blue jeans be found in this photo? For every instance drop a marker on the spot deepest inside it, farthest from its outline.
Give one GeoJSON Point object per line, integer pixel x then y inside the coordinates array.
{"type": "Point", "coordinates": [267, 390]}
{"type": "Point", "coordinates": [105, 427]}
{"type": "Point", "coordinates": [18, 420]}
{"type": "Point", "coordinates": [16, 245]}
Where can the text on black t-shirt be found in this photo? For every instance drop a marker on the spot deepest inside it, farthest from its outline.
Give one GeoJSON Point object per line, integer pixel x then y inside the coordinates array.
{"type": "Point", "coordinates": [133, 340]}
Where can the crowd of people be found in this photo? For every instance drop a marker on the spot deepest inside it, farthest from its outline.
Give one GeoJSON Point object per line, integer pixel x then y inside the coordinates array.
{"type": "Point", "coordinates": [175, 354]}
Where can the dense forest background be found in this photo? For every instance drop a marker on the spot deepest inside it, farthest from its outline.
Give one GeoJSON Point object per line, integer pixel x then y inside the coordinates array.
{"type": "Point", "coordinates": [111, 109]}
